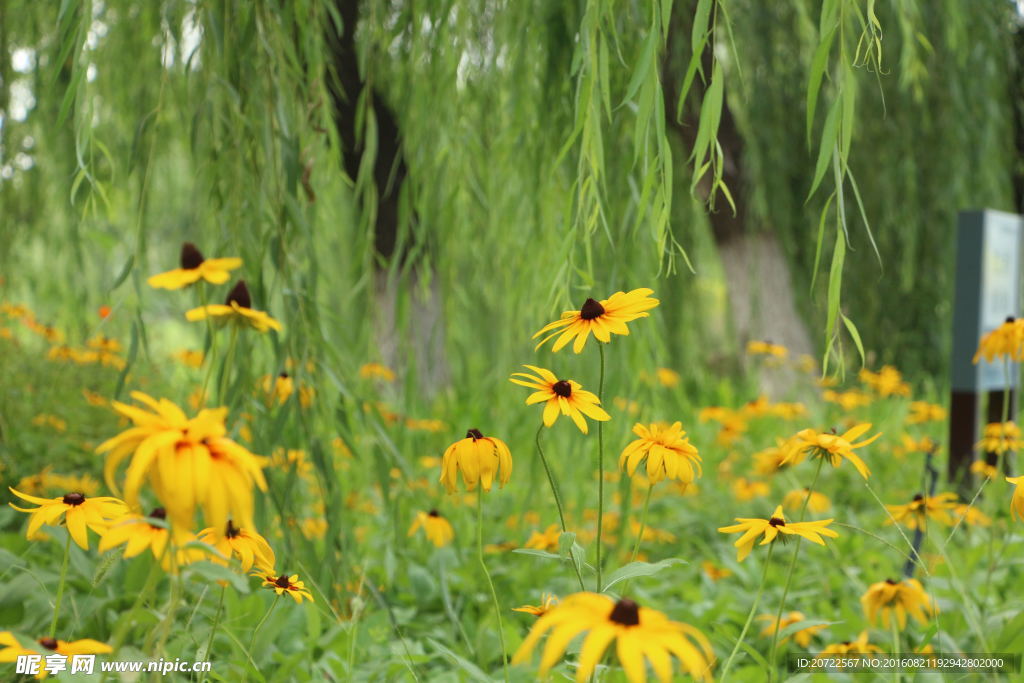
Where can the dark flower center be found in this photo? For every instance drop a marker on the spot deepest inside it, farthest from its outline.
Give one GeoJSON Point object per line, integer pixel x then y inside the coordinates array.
{"type": "Point", "coordinates": [891, 582]}
{"type": "Point", "coordinates": [232, 531]}
{"type": "Point", "coordinates": [158, 513]}
{"type": "Point", "coordinates": [776, 521]}
{"type": "Point", "coordinates": [282, 582]}
{"type": "Point", "coordinates": [1010, 318]}
{"type": "Point", "coordinates": [474, 434]}
{"type": "Point", "coordinates": [240, 295]}
{"type": "Point", "coordinates": [433, 513]}
{"type": "Point", "coordinates": [283, 375]}
{"type": "Point", "coordinates": [591, 309]}
{"type": "Point", "coordinates": [918, 498]}
{"type": "Point", "coordinates": [191, 258]}
{"type": "Point", "coordinates": [48, 643]}
{"type": "Point", "coordinates": [562, 388]}
{"type": "Point", "coordinates": [625, 612]}
{"type": "Point", "coordinates": [74, 499]}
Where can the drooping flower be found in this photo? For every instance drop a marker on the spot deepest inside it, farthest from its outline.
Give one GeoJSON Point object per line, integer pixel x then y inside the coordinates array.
{"type": "Point", "coordinates": [983, 468]}
{"type": "Point", "coordinates": [604, 318]}
{"type": "Point", "coordinates": [915, 513]}
{"type": "Point", "coordinates": [816, 502]}
{"type": "Point", "coordinates": [1005, 341]}
{"type": "Point", "coordinates": [859, 646]}
{"type": "Point", "coordinates": [139, 533]}
{"type": "Point", "coordinates": [847, 400]}
{"type": "Point", "coordinates": [1017, 501]}
{"type": "Point", "coordinates": [748, 489]}
{"type": "Point", "coordinates": [641, 635]}
{"type": "Point", "coordinates": [436, 528]}
{"type": "Point", "coordinates": [188, 462]}
{"type": "Point", "coordinates": [278, 388]}
{"type": "Point", "coordinates": [193, 268]}
{"type": "Point", "coordinates": [834, 447]}
{"type": "Point", "coordinates": [548, 601]}
{"type": "Point", "coordinates": [922, 411]}
{"type": "Point", "coordinates": [11, 650]}
{"type": "Point", "coordinates": [190, 358]}
{"type": "Point", "coordinates": [902, 597]}
{"type": "Point", "coordinates": [1000, 437]}
{"type": "Point", "coordinates": [80, 513]}
{"type": "Point", "coordinates": [480, 459]}
{"type": "Point", "coordinates": [287, 584]}
{"type": "Point", "coordinates": [886, 382]}
{"type": "Point", "coordinates": [560, 397]}
{"type": "Point", "coordinates": [544, 540]}
{"type": "Point", "coordinates": [771, 528]}
{"type": "Point", "coordinates": [237, 309]}
{"type": "Point", "coordinates": [666, 450]}
{"type": "Point", "coordinates": [971, 515]}
{"type": "Point", "coordinates": [249, 547]}
{"type": "Point", "coordinates": [802, 636]}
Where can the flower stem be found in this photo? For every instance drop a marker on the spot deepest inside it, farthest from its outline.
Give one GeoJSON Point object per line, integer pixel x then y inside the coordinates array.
{"type": "Point", "coordinates": [789, 574]}
{"type": "Point", "coordinates": [895, 644]}
{"type": "Point", "coordinates": [750, 616]}
{"type": "Point", "coordinates": [252, 639]}
{"type": "Point", "coordinates": [60, 587]}
{"type": "Point", "coordinates": [487, 575]}
{"type": "Point", "coordinates": [558, 500]}
{"type": "Point", "coordinates": [226, 366]}
{"type": "Point", "coordinates": [600, 468]}
{"type": "Point", "coordinates": [216, 624]}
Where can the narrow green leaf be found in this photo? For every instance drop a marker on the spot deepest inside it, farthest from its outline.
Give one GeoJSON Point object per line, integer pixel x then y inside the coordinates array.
{"type": "Point", "coordinates": [828, 142]}
{"type": "Point", "coordinates": [817, 73]}
{"type": "Point", "coordinates": [855, 335]}
{"type": "Point", "coordinates": [635, 569]}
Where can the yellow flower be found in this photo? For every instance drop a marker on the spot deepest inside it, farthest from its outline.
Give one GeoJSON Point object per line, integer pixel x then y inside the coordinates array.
{"type": "Point", "coordinates": [565, 397]}
{"type": "Point", "coordinates": [886, 382]}
{"type": "Point", "coordinates": [667, 377]}
{"type": "Point", "coordinates": [831, 446]}
{"type": "Point", "coordinates": [745, 490]}
{"type": "Point", "coordinates": [425, 425]}
{"type": "Point", "coordinates": [544, 540]}
{"type": "Point", "coordinates": [377, 371]}
{"type": "Point", "coordinates": [971, 515]}
{"type": "Point", "coordinates": [12, 649]}
{"type": "Point", "coordinates": [666, 450]}
{"type": "Point", "coordinates": [984, 469]}
{"type": "Point", "coordinates": [193, 268]}
{"type": "Point", "coordinates": [771, 528]}
{"type": "Point", "coordinates": [314, 527]}
{"type": "Point", "coordinates": [437, 529]}
{"type": "Point", "coordinates": [140, 532]}
{"type": "Point", "coordinates": [292, 459]}
{"type": "Point", "coordinates": [915, 513]}
{"type": "Point", "coordinates": [548, 601]}
{"type": "Point", "coordinates": [248, 546]}
{"type": "Point", "coordinates": [1000, 437]}
{"type": "Point", "coordinates": [847, 400]}
{"type": "Point", "coordinates": [910, 445]}
{"type": "Point", "coordinates": [1017, 501]}
{"type": "Point", "coordinates": [766, 348]}
{"type": "Point", "coordinates": [604, 318]}
{"type": "Point", "coordinates": [794, 500]}
{"type": "Point", "coordinates": [188, 462]}
{"type": "Point", "coordinates": [479, 458]}
{"type": "Point", "coordinates": [922, 411]}
{"type": "Point", "coordinates": [640, 633]}
{"type": "Point", "coordinates": [52, 421]}
{"type": "Point", "coordinates": [771, 460]}
{"type": "Point", "coordinates": [278, 388]}
{"type": "Point", "coordinates": [901, 597]}
{"type": "Point", "coordinates": [859, 646]}
{"type": "Point", "coordinates": [1005, 341]}
{"type": "Point", "coordinates": [287, 584]}
{"type": "Point", "coordinates": [714, 572]}
{"type": "Point", "coordinates": [80, 513]}
{"type": "Point", "coordinates": [237, 309]}
{"type": "Point", "coordinates": [802, 637]}
{"type": "Point", "coordinates": [94, 399]}
{"type": "Point", "coordinates": [190, 358]}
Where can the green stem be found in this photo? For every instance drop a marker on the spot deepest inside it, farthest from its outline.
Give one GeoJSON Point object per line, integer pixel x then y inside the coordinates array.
{"type": "Point", "coordinates": [895, 644]}
{"type": "Point", "coordinates": [789, 574]}
{"type": "Point", "coordinates": [750, 615]}
{"type": "Point", "coordinates": [252, 639]}
{"type": "Point", "coordinates": [226, 367]}
{"type": "Point", "coordinates": [600, 468]}
{"type": "Point", "coordinates": [60, 586]}
{"type": "Point", "coordinates": [558, 500]}
{"type": "Point", "coordinates": [487, 575]}
{"type": "Point", "coordinates": [216, 624]}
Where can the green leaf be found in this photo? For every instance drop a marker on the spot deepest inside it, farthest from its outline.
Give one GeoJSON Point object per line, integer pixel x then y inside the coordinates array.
{"type": "Point", "coordinates": [855, 335]}
{"type": "Point", "coordinates": [566, 540]}
{"type": "Point", "coordinates": [817, 73]}
{"type": "Point", "coordinates": [635, 569]}
{"type": "Point", "coordinates": [828, 143]}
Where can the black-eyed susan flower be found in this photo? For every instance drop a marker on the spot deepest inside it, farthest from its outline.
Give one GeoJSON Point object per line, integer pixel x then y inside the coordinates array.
{"type": "Point", "coordinates": [193, 268]}
{"type": "Point", "coordinates": [922, 411]}
{"type": "Point", "coordinates": [886, 382]}
{"type": "Point", "coordinates": [834, 447]}
{"type": "Point", "coordinates": [772, 527]}
{"type": "Point", "coordinates": [138, 533]}
{"type": "Point", "coordinates": [1017, 501]}
{"type": "Point", "coordinates": [278, 388]}
{"type": "Point", "coordinates": [1000, 437]}
{"type": "Point", "coordinates": [802, 636]}
{"type": "Point", "coordinates": [1005, 341]}
{"type": "Point", "coordinates": [377, 371]}
{"type": "Point", "coordinates": [560, 397]}
{"type": "Point", "coordinates": [858, 646]}
{"type": "Point", "coordinates": [971, 515]}
{"type": "Point", "coordinates": [236, 309]}
{"type": "Point", "coordinates": [249, 547]}
{"type": "Point", "coordinates": [188, 462]}
{"type": "Point", "coordinates": [604, 318]}
{"type": "Point", "coordinates": [290, 585]}
{"type": "Point", "coordinates": [436, 528]}
{"type": "Point", "coordinates": [766, 348]}
{"type": "Point", "coordinates": [480, 459]}
{"type": "Point", "coordinates": [714, 572]}
{"type": "Point", "coordinates": [984, 469]}
{"type": "Point", "coordinates": [915, 513]}
{"type": "Point", "coordinates": [909, 445]}
{"type": "Point", "coordinates": [816, 502]}
{"type": "Point", "coordinates": [641, 635]}
{"type": "Point", "coordinates": [544, 540]}
{"type": "Point", "coordinates": [79, 512]}
{"type": "Point", "coordinates": [547, 601]}
{"type": "Point", "coordinates": [11, 649]}
{"type": "Point", "coordinates": [748, 489]}
{"type": "Point", "coordinates": [666, 450]}
{"type": "Point", "coordinates": [900, 597]}
{"type": "Point", "coordinates": [190, 358]}
{"type": "Point", "coordinates": [850, 399]}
